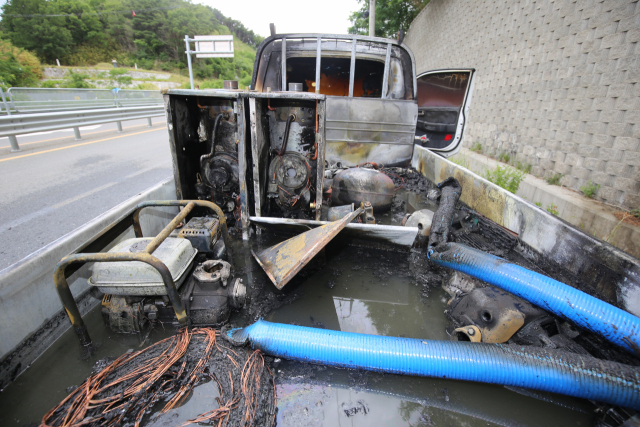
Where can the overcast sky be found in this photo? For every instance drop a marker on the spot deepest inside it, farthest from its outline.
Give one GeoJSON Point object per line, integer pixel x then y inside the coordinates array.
{"type": "Point", "coordinates": [290, 16]}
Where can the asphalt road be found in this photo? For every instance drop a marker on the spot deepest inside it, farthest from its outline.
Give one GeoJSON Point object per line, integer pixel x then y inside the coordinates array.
{"type": "Point", "coordinates": [56, 184]}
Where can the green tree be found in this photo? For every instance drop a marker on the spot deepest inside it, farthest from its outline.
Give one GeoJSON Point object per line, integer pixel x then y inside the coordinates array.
{"type": "Point", "coordinates": [18, 67]}
{"type": "Point", "coordinates": [85, 32]}
{"type": "Point", "coordinates": [391, 17]}
{"type": "Point", "coordinates": [47, 36]}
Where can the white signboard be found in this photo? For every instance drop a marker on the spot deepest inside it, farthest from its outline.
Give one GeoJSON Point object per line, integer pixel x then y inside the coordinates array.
{"type": "Point", "coordinates": [214, 46]}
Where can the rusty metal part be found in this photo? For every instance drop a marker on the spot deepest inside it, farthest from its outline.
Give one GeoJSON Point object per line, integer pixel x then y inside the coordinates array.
{"type": "Point", "coordinates": [200, 203]}
{"type": "Point", "coordinates": [213, 271]}
{"type": "Point", "coordinates": [69, 304]}
{"type": "Point", "coordinates": [237, 294]}
{"type": "Point", "coordinates": [290, 180]}
{"type": "Point", "coordinates": [202, 232]}
{"type": "Point", "coordinates": [230, 84]}
{"type": "Point", "coordinates": [221, 171]}
{"type": "Point", "coordinates": [336, 213]}
{"type": "Point", "coordinates": [368, 216]}
{"type": "Point", "coordinates": [204, 157]}
{"type": "Point", "coordinates": [498, 314]}
{"type": "Point", "coordinates": [121, 317]}
{"type": "Point", "coordinates": [153, 245]}
{"type": "Point", "coordinates": [357, 185]}
{"type": "Point", "coordinates": [468, 333]}
{"type": "Point", "coordinates": [285, 137]}
{"type": "Point", "coordinates": [284, 260]}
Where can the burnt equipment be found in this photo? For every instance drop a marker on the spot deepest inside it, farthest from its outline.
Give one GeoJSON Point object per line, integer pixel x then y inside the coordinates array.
{"type": "Point", "coordinates": [357, 185]}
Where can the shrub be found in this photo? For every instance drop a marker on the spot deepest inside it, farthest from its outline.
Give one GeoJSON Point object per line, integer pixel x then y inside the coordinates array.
{"type": "Point", "coordinates": [49, 83]}
{"type": "Point", "coordinates": [538, 204]}
{"type": "Point", "coordinates": [145, 64]}
{"type": "Point", "coordinates": [590, 189]}
{"type": "Point", "coordinates": [504, 157]}
{"type": "Point", "coordinates": [212, 84]}
{"type": "Point", "coordinates": [76, 81]}
{"type": "Point", "coordinates": [91, 54]}
{"type": "Point", "coordinates": [119, 77]}
{"type": "Point", "coordinates": [244, 82]}
{"type": "Point", "coordinates": [524, 167]}
{"type": "Point", "coordinates": [505, 177]}
{"type": "Point", "coordinates": [554, 179]}
{"type": "Point", "coordinates": [552, 209]}
{"type": "Point", "coordinates": [460, 161]}
{"type": "Point", "coordinates": [147, 86]}
{"type": "Point", "coordinates": [477, 147]}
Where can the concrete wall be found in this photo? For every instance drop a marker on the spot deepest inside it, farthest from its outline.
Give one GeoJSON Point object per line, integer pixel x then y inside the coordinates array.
{"type": "Point", "coordinates": [556, 84]}
{"type": "Point", "coordinates": [31, 313]}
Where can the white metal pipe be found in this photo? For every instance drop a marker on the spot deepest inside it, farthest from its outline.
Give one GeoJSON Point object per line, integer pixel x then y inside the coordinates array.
{"type": "Point", "coordinates": [372, 18]}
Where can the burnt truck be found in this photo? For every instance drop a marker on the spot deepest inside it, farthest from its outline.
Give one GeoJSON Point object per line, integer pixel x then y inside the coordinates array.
{"type": "Point", "coordinates": [339, 142]}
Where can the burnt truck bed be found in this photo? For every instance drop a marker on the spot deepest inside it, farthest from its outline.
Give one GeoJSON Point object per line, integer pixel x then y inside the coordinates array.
{"type": "Point", "coordinates": [357, 285]}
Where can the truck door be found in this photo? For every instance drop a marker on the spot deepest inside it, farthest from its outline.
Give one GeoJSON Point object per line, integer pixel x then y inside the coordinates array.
{"type": "Point", "coordinates": [444, 97]}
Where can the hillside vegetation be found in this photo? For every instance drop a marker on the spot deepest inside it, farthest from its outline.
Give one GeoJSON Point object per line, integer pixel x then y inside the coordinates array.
{"type": "Point", "coordinates": [146, 33]}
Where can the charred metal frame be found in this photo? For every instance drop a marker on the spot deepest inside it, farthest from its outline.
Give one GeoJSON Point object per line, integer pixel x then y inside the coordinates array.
{"type": "Point", "coordinates": [319, 38]}
{"type": "Point", "coordinates": [258, 143]}
{"type": "Point", "coordinates": [239, 108]}
{"type": "Point", "coordinates": [83, 255]}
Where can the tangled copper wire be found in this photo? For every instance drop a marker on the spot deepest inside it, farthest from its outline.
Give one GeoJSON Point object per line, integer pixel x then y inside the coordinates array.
{"type": "Point", "coordinates": [107, 401]}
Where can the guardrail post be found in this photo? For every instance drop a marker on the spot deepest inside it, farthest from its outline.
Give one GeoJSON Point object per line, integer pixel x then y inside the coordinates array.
{"type": "Point", "coordinates": [149, 122]}
{"type": "Point", "coordinates": [6, 107]}
{"type": "Point", "coordinates": [14, 143]}
{"type": "Point", "coordinates": [76, 131]}
{"type": "Point", "coordinates": [119, 127]}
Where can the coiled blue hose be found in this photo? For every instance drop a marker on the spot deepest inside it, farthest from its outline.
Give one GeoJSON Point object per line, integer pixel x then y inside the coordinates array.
{"type": "Point", "coordinates": [530, 367]}
{"type": "Point", "coordinates": [614, 324]}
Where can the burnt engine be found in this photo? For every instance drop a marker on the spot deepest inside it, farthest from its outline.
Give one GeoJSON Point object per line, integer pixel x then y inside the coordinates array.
{"type": "Point", "coordinates": [292, 169]}
{"type": "Point", "coordinates": [218, 180]}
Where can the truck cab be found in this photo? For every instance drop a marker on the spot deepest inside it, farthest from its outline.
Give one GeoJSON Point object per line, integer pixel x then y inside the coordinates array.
{"type": "Point", "coordinates": [369, 84]}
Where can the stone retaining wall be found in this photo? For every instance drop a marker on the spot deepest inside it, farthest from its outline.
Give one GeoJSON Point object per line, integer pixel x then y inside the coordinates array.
{"type": "Point", "coordinates": [556, 84]}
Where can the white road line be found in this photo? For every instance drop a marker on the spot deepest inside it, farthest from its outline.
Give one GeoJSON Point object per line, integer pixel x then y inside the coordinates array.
{"type": "Point", "coordinates": [150, 168]}
{"type": "Point", "coordinates": [49, 209]}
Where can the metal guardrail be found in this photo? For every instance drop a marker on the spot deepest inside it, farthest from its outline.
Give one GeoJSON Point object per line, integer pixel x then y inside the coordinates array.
{"type": "Point", "coordinates": [23, 100]}
{"type": "Point", "coordinates": [20, 124]}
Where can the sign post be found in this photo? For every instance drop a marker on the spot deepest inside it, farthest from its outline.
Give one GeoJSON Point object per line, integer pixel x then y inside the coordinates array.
{"type": "Point", "coordinates": [208, 47]}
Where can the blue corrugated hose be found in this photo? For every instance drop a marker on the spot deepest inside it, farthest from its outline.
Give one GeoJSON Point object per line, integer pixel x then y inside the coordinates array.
{"type": "Point", "coordinates": [590, 313]}
{"type": "Point", "coordinates": [529, 367]}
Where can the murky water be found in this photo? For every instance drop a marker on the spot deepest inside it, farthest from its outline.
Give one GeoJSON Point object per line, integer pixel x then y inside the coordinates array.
{"type": "Point", "coordinates": [349, 289]}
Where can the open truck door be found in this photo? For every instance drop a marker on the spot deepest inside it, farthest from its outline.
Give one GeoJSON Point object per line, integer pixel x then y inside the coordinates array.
{"type": "Point", "coordinates": [444, 97]}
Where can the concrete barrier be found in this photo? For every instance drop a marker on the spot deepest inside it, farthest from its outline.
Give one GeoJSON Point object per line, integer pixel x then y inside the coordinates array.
{"type": "Point", "coordinates": [31, 314]}
{"type": "Point", "coordinates": [596, 267]}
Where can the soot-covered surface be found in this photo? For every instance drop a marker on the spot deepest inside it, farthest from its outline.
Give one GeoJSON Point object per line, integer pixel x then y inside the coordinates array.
{"type": "Point", "coordinates": [354, 289]}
